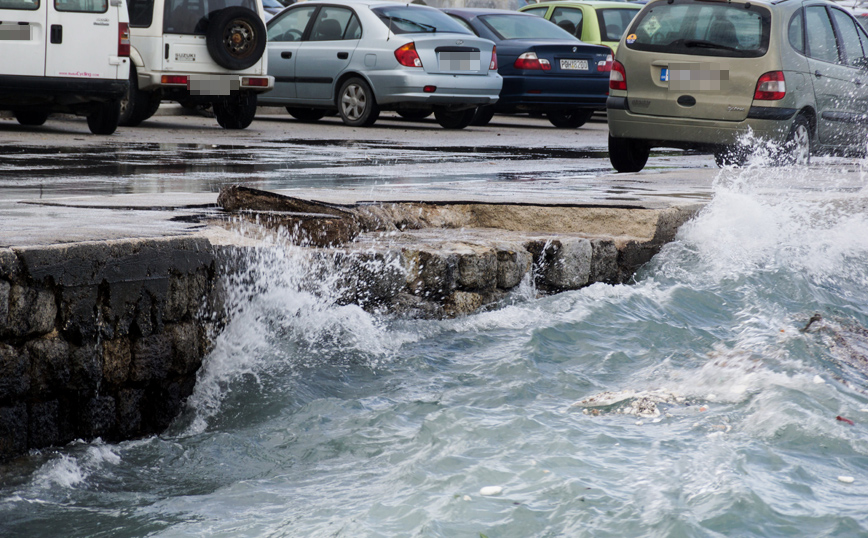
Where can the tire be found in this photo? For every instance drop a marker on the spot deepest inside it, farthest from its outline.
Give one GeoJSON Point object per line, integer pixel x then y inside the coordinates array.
{"type": "Point", "coordinates": [33, 118]}
{"type": "Point", "coordinates": [103, 119]}
{"type": "Point", "coordinates": [483, 115]}
{"type": "Point", "coordinates": [356, 103]}
{"type": "Point", "coordinates": [137, 105]}
{"type": "Point", "coordinates": [306, 114]}
{"type": "Point", "coordinates": [797, 148]}
{"type": "Point", "coordinates": [235, 37]}
{"type": "Point", "coordinates": [450, 119]}
{"type": "Point", "coordinates": [628, 154]}
{"type": "Point", "coordinates": [237, 112]}
{"type": "Point", "coordinates": [730, 156]}
{"type": "Point", "coordinates": [570, 119]}
{"type": "Point", "coordinates": [414, 113]}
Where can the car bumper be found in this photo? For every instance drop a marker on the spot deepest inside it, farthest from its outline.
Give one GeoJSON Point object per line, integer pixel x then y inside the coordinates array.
{"type": "Point", "coordinates": [403, 87]}
{"type": "Point", "coordinates": [548, 92]}
{"type": "Point", "coordinates": [690, 133]}
{"type": "Point", "coordinates": [17, 90]}
{"type": "Point", "coordinates": [198, 84]}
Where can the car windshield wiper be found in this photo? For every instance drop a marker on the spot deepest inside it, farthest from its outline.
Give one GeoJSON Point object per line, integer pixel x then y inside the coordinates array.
{"type": "Point", "coordinates": [706, 45]}
{"type": "Point", "coordinates": [419, 24]}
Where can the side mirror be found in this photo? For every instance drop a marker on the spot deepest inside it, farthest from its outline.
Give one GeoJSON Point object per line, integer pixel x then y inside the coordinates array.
{"type": "Point", "coordinates": [860, 63]}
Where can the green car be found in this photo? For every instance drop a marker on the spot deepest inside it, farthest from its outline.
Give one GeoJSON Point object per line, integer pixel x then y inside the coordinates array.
{"type": "Point", "coordinates": [598, 23]}
{"type": "Point", "coordinates": [783, 78]}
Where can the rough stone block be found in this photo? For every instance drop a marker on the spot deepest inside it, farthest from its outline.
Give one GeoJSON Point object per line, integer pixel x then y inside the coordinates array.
{"type": "Point", "coordinates": [163, 405]}
{"type": "Point", "coordinates": [604, 263]}
{"type": "Point", "coordinates": [186, 348]}
{"type": "Point", "coordinates": [50, 368]}
{"type": "Point", "coordinates": [86, 367]}
{"type": "Point", "coordinates": [98, 417]}
{"type": "Point", "coordinates": [477, 269]}
{"type": "Point", "coordinates": [512, 265]}
{"type": "Point", "coordinates": [14, 372]}
{"type": "Point", "coordinates": [117, 358]}
{"type": "Point", "coordinates": [10, 266]}
{"type": "Point", "coordinates": [44, 426]}
{"type": "Point", "coordinates": [569, 265]}
{"type": "Point", "coordinates": [129, 412]}
{"type": "Point", "coordinates": [13, 430]}
{"type": "Point", "coordinates": [436, 273]}
{"type": "Point", "coordinates": [379, 276]}
{"type": "Point", "coordinates": [151, 358]}
{"type": "Point", "coordinates": [185, 293]}
{"type": "Point", "coordinates": [78, 311]}
{"type": "Point", "coordinates": [460, 303]}
{"type": "Point", "coordinates": [31, 311]}
{"type": "Point", "coordinates": [5, 289]}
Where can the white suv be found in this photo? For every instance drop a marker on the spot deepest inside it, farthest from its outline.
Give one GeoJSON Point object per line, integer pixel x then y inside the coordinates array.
{"type": "Point", "coordinates": [197, 52]}
{"type": "Point", "coordinates": [64, 56]}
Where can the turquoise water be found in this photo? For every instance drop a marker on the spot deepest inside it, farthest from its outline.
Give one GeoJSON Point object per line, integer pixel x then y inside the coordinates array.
{"type": "Point", "coordinates": [313, 419]}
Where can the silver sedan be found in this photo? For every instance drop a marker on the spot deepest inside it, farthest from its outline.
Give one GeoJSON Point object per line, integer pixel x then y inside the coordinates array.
{"type": "Point", "coordinates": [362, 56]}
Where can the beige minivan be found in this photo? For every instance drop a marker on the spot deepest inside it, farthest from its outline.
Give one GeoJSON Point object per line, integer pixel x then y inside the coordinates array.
{"type": "Point", "coordinates": [717, 75]}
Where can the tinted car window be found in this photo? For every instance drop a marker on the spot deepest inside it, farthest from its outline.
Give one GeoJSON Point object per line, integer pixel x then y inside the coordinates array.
{"type": "Point", "coordinates": [84, 6]}
{"type": "Point", "coordinates": [191, 16]}
{"type": "Point", "coordinates": [851, 42]}
{"type": "Point", "coordinates": [30, 5]}
{"type": "Point", "coordinates": [522, 27]}
{"type": "Point", "coordinates": [538, 11]}
{"type": "Point", "coordinates": [702, 29]}
{"type": "Point", "coordinates": [462, 22]}
{"type": "Point", "coordinates": [613, 22]}
{"type": "Point", "coordinates": [821, 36]}
{"type": "Point", "coordinates": [410, 20]}
{"type": "Point", "coordinates": [141, 13]}
{"type": "Point", "coordinates": [570, 19]}
{"type": "Point", "coordinates": [796, 32]}
{"type": "Point", "coordinates": [290, 24]}
{"type": "Point", "coordinates": [331, 23]}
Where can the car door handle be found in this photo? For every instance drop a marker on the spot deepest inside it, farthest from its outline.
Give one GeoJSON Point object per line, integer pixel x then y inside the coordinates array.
{"type": "Point", "coordinates": [343, 55]}
{"type": "Point", "coordinates": [286, 55]}
{"type": "Point", "coordinates": [818, 74]}
{"type": "Point", "coordinates": [56, 33]}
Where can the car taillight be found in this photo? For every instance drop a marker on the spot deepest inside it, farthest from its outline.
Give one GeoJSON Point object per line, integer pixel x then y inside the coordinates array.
{"type": "Point", "coordinates": [123, 39]}
{"type": "Point", "coordinates": [493, 65]}
{"type": "Point", "coordinates": [174, 79]}
{"type": "Point", "coordinates": [408, 56]}
{"type": "Point", "coordinates": [254, 81]}
{"type": "Point", "coordinates": [771, 86]}
{"type": "Point", "coordinates": [618, 76]}
{"type": "Point", "coordinates": [606, 65]}
{"type": "Point", "coordinates": [529, 60]}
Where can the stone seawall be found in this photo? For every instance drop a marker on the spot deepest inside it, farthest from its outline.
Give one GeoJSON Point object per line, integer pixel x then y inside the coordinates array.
{"type": "Point", "coordinates": [98, 339]}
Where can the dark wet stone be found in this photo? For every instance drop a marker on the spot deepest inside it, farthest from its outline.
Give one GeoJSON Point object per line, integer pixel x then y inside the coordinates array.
{"type": "Point", "coordinates": [86, 365]}
{"type": "Point", "coordinates": [438, 274]}
{"type": "Point", "coordinates": [151, 358]}
{"type": "Point", "coordinates": [14, 372]}
{"type": "Point", "coordinates": [186, 348]}
{"type": "Point", "coordinates": [129, 412]}
{"type": "Point", "coordinates": [98, 417]}
{"type": "Point", "coordinates": [31, 311]}
{"type": "Point", "coordinates": [512, 265]}
{"type": "Point", "coordinates": [13, 430]}
{"type": "Point", "coordinates": [604, 262]}
{"type": "Point", "coordinates": [378, 276]}
{"type": "Point", "coordinates": [117, 358]}
{"type": "Point", "coordinates": [50, 369]}
{"type": "Point", "coordinates": [477, 270]}
{"type": "Point", "coordinates": [44, 424]}
{"type": "Point", "coordinates": [78, 311]}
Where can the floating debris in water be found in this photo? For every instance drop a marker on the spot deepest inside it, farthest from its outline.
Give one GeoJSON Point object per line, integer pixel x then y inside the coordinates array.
{"type": "Point", "coordinates": [819, 380]}
{"type": "Point", "coordinates": [491, 490]}
{"type": "Point", "coordinates": [639, 403]}
{"type": "Point", "coordinates": [839, 418]}
{"type": "Point", "coordinates": [846, 479]}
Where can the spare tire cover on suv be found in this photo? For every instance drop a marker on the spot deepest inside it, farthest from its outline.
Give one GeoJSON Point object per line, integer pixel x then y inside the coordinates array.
{"type": "Point", "coordinates": [235, 37]}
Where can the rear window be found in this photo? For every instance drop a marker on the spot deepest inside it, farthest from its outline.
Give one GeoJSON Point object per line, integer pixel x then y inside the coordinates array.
{"type": "Point", "coordinates": [82, 6]}
{"type": "Point", "coordinates": [417, 20]}
{"type": "Point", "coordinates": [524, 27]}
{"type": "Point", "coordinates": [702, 29]}
{"type": "Point", "coordinates": [613, 22]}
{"type": "Point", "coordinates": [30, 5]}
{"type": "Point", "coordinates": [141, 13]}
{"type": "Point", "coordinates": [191, 16]}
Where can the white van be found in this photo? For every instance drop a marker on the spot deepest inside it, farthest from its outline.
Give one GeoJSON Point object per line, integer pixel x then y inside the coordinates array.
{"type": "Point", "coordinates": [64, 56]}
{"type": "Point", "coordinates": [197, 52]}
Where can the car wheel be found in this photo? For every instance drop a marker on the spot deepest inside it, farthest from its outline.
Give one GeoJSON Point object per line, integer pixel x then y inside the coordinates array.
{"type": "Point", "coordinates": [628, 154]}
{"type": "Point", "coordinates": [797, 148]}
{"type": "Point", "coordinates": [236, 112]}
{"type": "Point", "coordinates": [414, 113]}
{"type": "Point", "coordinates": [104, 117]}
{"type": "Point", "coordinates": [483, 115]}
{"type": "Point", "coordinates": [31, 117]}
{"type": "Point", "coordinates": [305, 114]}
{"type": "Point", "coordinates": [235, 37]}
{"type": "Point", "coordinates": [454, 119]}
{"type": "Point", "coordinates": [137, 105]}
{"type": "Point", "coordinates": [734, 155]}
{"type": "Point", "coordinates": [356, 103]}
{"type": "Point", "coordinates": [570, 119]}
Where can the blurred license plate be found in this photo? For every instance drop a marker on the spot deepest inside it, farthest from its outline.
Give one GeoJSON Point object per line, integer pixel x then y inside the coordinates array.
{"type": "Point", "coordinates": [575, 65]}
{"type": "Point", "coordinates": [664, 75]}
{"type": "Point", "coordinates": [459, 61]}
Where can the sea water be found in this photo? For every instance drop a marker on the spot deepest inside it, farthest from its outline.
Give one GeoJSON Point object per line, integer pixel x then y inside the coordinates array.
{"type": "Point", "coordinates": [689, 402]}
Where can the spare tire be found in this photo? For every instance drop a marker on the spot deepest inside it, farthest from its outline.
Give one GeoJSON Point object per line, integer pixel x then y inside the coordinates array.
{"type": "Point", "coordinates": [235, 37]}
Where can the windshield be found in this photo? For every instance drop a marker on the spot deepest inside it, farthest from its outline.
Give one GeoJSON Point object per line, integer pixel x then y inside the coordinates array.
{"type": "Point", "coordinates": [508, 26]}
{"type": "Point", "coordinates": [702, 29]}
{"type": "Point", "coordinates": [417, 20]}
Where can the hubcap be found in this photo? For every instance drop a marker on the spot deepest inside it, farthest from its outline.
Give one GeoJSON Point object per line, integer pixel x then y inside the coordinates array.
{"type": "Point", "coordinates": [353, 102]}
{"type": "Point", "coordinates": [239, 38]}
{"type": "Point", "coordinates": [801, 145]}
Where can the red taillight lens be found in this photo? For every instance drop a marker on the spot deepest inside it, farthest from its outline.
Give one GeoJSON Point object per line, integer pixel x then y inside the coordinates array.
{"type": "Point", "coordinates": [606, 65]}
{"type": "Point", "coordinates": [617, 77]}
{"type": "Point", "coordinates": [174, 79]}
{"type": "Point", "coordinates": [493, 65]}
{"type": "Point", "coordinates": [408, 56]}
{"type": "Point", "coordinates": [429, 89]}
{"type": "Point", "coordinates": [254, 81]}
{"type": "Point", "coordinates": [771, 87]}
{"type": "Point", "coordinates": [123, 39]}
{"type": "Point", "coordinates": [529, 60]}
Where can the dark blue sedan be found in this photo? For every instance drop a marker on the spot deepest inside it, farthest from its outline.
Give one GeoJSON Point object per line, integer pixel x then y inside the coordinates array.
{"type": "Point", "coordinates": [544, 68]}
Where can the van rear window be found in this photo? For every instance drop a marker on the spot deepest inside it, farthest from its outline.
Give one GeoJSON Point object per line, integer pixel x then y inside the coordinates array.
{"type": "Point", "coordinates": [82, 6]}
{"type": "Point", "coordinates": [29, 5]}
{"type": "Point", "coordinates": [702, 29]}
{"type": "Point", "coordinates": [191, 16]}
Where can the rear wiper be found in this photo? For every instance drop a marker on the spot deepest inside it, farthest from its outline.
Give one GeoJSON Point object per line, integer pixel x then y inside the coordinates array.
{"type": "Point", "coordinates": [707, 45]}
{"type": "Point", "coordinates": [419, 24]}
